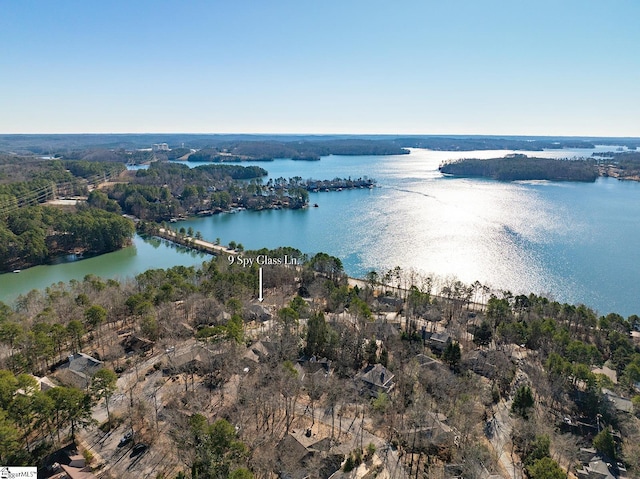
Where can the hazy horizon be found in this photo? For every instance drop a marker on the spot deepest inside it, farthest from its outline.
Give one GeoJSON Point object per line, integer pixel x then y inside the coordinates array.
{"type": "Point", "coordinates": [320, 135]}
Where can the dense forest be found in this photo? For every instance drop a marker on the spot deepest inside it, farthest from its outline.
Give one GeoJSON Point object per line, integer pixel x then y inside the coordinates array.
{"type": "Point", "coordinates": [189, 358]}
{"type": "Point", "coordinates": [36, 234]}
{"type": "Point", "coordinates": [522, 167]}
{"type": "Point", "coordinates": [33, 234]}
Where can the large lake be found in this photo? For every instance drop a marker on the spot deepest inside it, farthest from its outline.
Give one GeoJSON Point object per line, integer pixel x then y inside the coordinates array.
{"type": "Point", "coordinates": [575, 242]}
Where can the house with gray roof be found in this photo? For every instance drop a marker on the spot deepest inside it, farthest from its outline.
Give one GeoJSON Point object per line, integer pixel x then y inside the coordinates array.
{"type": "Point", "coordinates": [376, 379]}
{"type": "Point", "coordinates": [619, 403]}
{"type": "Point", "coordinates": [428, 362]}
{"type": "Point", "coordinates": [439, 341]}
{"type": "Point", "coordinates": [300, 459]}
{"type": "Point", "coordinates": [78, 370]}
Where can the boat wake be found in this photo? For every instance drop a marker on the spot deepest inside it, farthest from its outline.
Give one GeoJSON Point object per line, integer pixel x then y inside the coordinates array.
{"type": "Point", "coordinates": [409, 191]}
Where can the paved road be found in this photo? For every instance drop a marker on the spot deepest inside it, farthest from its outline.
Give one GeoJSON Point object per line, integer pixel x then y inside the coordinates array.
{"type": "Point", "coordinates": [499, 428]}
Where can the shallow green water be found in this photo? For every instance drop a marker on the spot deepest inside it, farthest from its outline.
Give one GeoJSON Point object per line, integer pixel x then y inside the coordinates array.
{"type": "Point", "coordinates": [142, 255]}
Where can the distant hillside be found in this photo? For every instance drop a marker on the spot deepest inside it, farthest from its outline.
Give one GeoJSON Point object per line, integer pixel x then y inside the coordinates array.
{"type": "Point", "coordinates": [492, 143]}
{"type": "Point", "coordinates": [522, 167]}
{"type": "Point", "coordinates": [45, 144]}
{"type": "Point", "coordinates": [300, 150]}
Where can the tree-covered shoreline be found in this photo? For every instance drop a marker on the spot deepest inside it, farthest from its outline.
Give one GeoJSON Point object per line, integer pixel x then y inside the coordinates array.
{"type": "Point", "coordinates": [166, 191]}
{"type": "Point", "coordinates": [521, 168]}
{"type": "Point", "coordinates": [38, 234]}
{"type": "Point", "coordinates": [33, 234]}
{"type": "Point", "coordinates": [91, 222]}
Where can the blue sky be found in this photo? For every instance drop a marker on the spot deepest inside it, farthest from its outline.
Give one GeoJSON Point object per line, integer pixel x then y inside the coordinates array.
{"type": "Point", "coordinates": [334, 66]}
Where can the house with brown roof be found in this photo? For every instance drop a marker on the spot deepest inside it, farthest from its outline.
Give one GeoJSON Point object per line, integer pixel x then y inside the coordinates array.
{"type": "Point", "coordinates": [77, 473]}
{"type": "Point", "coordinates": [66, 463]}
{"type": "Point", "coordinates": [194, 361]}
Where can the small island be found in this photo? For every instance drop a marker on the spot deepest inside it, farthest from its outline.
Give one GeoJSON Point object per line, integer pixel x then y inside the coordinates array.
{"type": "Point", "coordinates": [518, 167]}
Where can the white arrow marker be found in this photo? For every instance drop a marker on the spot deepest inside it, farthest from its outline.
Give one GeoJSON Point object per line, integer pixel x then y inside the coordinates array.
{"type": "Point", "coordinates": [260, 297]}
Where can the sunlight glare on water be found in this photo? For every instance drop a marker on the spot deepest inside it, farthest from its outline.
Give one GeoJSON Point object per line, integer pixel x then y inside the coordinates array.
{"type": "Point", "coordinates": [469, 229]}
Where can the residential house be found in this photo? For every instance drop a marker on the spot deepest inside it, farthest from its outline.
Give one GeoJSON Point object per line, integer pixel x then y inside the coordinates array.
{"type": "Point", "coordinates": [428, 362]}
{"type": "Point", "coordinates": [258, 312]}
{"type": "Point", "coordinates": [433, 434]}
{"type": "Point", "coordinates": [300, 455]}
{"type": "Point", "coordinates": [314, 365]}
{"type": "Point", "coordinates": [376, 379]}
{"type": "Point", "coordinates": [76, 473]}
{"type": "Point", "coordinates": [196, 360]}
{"type": "Point", "coordinates": [596, 468]}
{"type": "Point", "coordinates": [488, 363]}
{"type": "Point", "coordinates": [137, 345]}
{"type": "Point", "coordinates": [389, 303]}
{"type": "Point", "coordinates": [66, 463]}
{"type": "Point", "coordinates": [78, 370]}
{"type": "Point", "coordinates": [619, 403]}
{"type": "Point", "coordinates": [586, 454]}
{"type": "Point", "coordinates": [608, 372]}
{"type": "Point", "coordinates": [44, 383]}
{"type": "Point", "coordinates": [439, 341]}
{"type": "Point", "coordinates": [260, 351]}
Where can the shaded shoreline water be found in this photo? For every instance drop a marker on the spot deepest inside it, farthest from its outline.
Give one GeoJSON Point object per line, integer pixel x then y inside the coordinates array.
{"type": "Point", "coordinates": [143, 254]}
